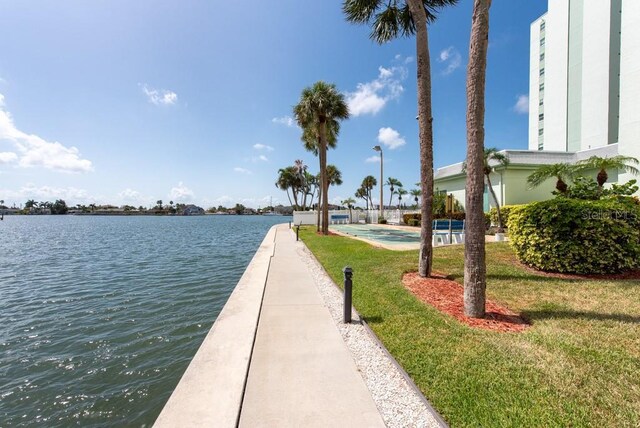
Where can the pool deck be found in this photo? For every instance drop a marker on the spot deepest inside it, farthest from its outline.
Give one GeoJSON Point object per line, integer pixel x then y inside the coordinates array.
{"type": "Point", "coordinates": [274, 356]}
{"type": "Point", "coordinates": [394, 246]}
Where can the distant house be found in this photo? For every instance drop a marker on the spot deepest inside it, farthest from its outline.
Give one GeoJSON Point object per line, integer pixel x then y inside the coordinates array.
{"type": "Point", "coordinates": [193, 210]}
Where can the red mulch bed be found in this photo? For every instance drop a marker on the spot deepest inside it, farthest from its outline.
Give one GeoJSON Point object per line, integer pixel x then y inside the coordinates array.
{"type": "Point", "coordinates": [446, 296]}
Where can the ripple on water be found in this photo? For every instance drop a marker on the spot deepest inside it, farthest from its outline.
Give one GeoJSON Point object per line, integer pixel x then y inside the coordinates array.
{"type": "Point", "coordinates": [101, 315]}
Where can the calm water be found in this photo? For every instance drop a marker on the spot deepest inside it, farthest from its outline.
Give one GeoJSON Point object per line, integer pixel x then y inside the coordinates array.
{"type": "Point", "coordinates": [100, 316]}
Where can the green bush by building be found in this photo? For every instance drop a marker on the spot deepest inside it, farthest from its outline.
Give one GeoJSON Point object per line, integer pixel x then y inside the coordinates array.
{"type": "Point", "coordinates": [577, 236]}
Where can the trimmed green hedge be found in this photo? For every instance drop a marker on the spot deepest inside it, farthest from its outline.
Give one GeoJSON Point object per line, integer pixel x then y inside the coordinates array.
{"type": "Point", "coordinates": [505, 210]}
{"type": "Point", "coordinates": [577, 236]}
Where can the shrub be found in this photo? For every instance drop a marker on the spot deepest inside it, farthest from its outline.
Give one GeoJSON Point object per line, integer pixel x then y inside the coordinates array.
{"type": "Point", "coordinates": [406, 218]}
{"type": "Point", "coordinates": [457, 215]}
{"type": "Point", "coordinates": [413, 222]}
{"type": "Point", "coordinates": [382, 221]}
{"type": "Point", "coordinates": [487, 221]}
{"type": "Point", "coordinates": [577, 236]}
{"type": "Point", "coordinates": [505, 211]}
{"type": "Point", "coordinates": [418, 216]}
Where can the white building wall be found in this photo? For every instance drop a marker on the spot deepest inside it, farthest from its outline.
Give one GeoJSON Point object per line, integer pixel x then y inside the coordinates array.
{"type": "Point", "coordinates": [555, 92]}
{"type": "Point", "coordinates": [594, 117]}
{"type": "Point", "coordinates": [534, 82]}
{"type": "Point", "coordinates": [629, 137]}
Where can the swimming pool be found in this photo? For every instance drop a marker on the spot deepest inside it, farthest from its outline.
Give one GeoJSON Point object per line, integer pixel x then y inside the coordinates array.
{"type": "Point", "coordinates": [381, 234]}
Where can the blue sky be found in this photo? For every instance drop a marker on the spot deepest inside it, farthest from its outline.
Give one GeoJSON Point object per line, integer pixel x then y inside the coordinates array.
{"type": "Point", "coordinates": [119, 102]}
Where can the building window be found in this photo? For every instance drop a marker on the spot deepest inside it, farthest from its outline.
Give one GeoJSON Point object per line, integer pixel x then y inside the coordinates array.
{"type": "Point", "coordinates": [542, 41]}
{"type": "Point", "coordinates": [542, 72]}
{"type": "Point", "coordinates": [542, 56]}
{"type": "Point", "coordinates": [541, 117]}
{"type": "Point", "coordinates": [542, 86]}
{"type": "Point", "coordinates": [540, 131]}
{"type": "Point", "coordinates": [542, 25]}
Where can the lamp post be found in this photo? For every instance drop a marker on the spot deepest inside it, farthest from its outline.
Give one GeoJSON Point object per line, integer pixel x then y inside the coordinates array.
{"type": "Point", "coordinates": [379, 149]}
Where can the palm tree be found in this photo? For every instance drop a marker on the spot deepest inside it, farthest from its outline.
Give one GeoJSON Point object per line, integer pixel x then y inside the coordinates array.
{"type": "Point", "coordinates": [390, 20]}
{"type": "Point", "coordinates": [562, 172]}
{"type": "Point", "coordinates": [492, 158]}
{"type": "Point", "coordinates": [334, 176]}
{"type": "Point", "coordinates": [286, 178]}
{"type": "Point", "coordinates": [349, 204]}
{"type": "Point", "coordinates": [416, 193]}
{"type": "Point", "coordinates": [320, 105]}
{"type": "Point", "coordinates": [475, 280]}
{"type": "Point", "coordinates": [309, 188]}
{"type": "Point", "coordinates": [401, 192]}
{"type": "Point", "coordinates": [362, 193]}
{"type": "Point", "coordinates": [368, 183]}
{"type": "Point", "coordinates": [391, 182]}
{"type": "Point", "coordinates": [624, 163]}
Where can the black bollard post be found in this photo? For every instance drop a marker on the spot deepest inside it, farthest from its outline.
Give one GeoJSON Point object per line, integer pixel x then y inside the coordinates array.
{"type": "Point", "coordinates": [297, 231]}
{"type": "Point", "coordinates": [348, 285]}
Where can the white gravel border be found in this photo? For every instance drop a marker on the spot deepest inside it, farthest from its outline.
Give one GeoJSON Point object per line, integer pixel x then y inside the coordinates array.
{"type": "Point", "coordinates": [397, 398]}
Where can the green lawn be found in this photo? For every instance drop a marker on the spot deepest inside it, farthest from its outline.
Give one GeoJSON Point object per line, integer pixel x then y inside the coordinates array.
{"type": "Point", "coordinates": [578, 365]}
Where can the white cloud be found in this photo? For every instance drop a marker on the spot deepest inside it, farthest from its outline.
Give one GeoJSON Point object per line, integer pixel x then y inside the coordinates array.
{"type": "Point", "coordinates": [242, 170]}
{"type": "Point", "coordinates": [133, 197]}
{"type": "Point", "coordinates": [402, 59]}
{"type": "Point", "coordinates": [522, 104]}
{"type": "Point", "coordinates": [160, 97]}
{"type": "Point", "coordinates": [373, 159]}
{"type": "Point", "coordinates": [390, 138]}
{"type": "Point", "coordinates": [263, 158]}
{"type": "Point", "coordinates": [284, 120]}
{"type": "Point", "coordinates": [129, 194]}
{"type": "Point", "coordinates": [34, 151]}
{"type": "Point", "coordinates": [181, 193]}
{"type": "Point", "coordinates": [71, 195]}
{"type": "Point", "coordinates": [8, 157]}
{"type": "Point", "coordinates": [451, 58]}
{"type": "Point", "coordinates": [263, 147]}
{"type": "Point", "coordinates": [224, 200]}
{"type": "Point", "coordinates": [371, 97]}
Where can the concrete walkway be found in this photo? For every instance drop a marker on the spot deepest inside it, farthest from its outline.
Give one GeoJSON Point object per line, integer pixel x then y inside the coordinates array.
{"type": "Point", "coordinates": [301, 372]}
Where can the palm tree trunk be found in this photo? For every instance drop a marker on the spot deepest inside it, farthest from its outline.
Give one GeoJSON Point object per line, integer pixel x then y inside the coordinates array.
{"type": "Point", "coordinates": [561, 186]}
{"type": "Point", "coordinates": [602, 178]}
{"type": "Point", "coordinates": [474, 250]}
{"type": "Point", "coordinates": [495, 198]}
{"type": "Point", "coordinates": [294, 191]}
{"type": "Point", "coordinates": [318, 215]}
{"type": "Point", "coordinates": [425, 121]}
{"type": "Point", "coordinates": [323, 177]}
{"type": "Point", "coordinates": [288, 197]}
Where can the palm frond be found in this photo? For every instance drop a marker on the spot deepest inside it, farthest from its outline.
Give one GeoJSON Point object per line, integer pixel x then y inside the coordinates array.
{"type": "Point", "coordinates": [625, 163]}
{"type": "Point", "coordinates": [360, 11]}
{"type": "Point", "coordinates": [432, 7]}
{"type": "Point", "coordinates": [563, 171]}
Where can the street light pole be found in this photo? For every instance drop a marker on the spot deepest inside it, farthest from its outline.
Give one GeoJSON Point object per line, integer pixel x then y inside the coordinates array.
{"type": "Point", "coordinates": [379, 149]}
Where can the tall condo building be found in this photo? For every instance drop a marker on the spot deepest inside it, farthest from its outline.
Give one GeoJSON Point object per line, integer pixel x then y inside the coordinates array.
{"type": "Point", "coordinates": [575, 73]}
{"type": "Point", "coordinates": [584, 97]}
